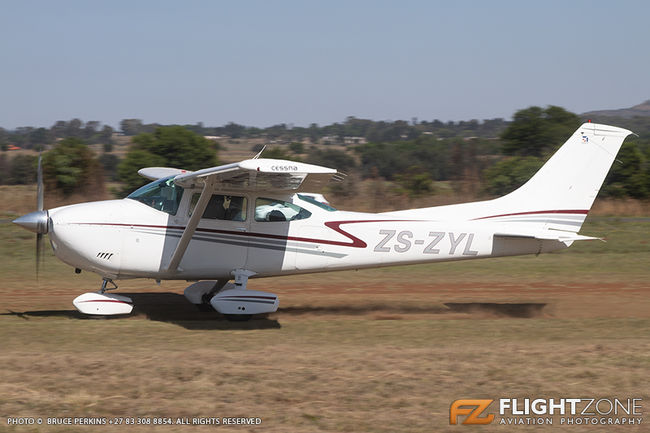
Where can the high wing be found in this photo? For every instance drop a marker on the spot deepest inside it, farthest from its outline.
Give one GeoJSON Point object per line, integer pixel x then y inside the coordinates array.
{"type": "Point", "coordinates": [252, 175]}
{"type": "Point", "coordinates": [249, 175]}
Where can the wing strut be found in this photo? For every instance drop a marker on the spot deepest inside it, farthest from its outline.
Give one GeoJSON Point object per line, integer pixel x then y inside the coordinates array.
{"type": "Point", "coordinates": [184, 241]}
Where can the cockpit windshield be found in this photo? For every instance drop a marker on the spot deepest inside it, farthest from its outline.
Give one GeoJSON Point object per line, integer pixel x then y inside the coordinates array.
{"type": "Point", "coordinates": [163, 195]}
{"type": "Point", "coordinates": [312, 200]}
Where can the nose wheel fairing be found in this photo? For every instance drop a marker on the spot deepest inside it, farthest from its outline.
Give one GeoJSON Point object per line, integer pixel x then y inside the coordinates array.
{"type": "Point", "coordinates": [101, 303]}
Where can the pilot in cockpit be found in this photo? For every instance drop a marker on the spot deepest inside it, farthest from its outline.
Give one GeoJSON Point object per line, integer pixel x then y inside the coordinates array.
{"type": "Point", "coordinates": [233, 210]}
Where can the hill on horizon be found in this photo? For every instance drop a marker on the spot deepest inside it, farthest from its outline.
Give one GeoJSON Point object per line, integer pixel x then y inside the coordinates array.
{"type": "Point", "coordinates": [642, 109]}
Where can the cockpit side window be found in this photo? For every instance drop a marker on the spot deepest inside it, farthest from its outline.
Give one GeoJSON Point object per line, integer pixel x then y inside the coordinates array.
{"type": "Point", "coordinates": [222, 207]}
{"type": "Point", "coordinates": [268, 209]}
{"type": "Point", "coordinates": [163, 195]}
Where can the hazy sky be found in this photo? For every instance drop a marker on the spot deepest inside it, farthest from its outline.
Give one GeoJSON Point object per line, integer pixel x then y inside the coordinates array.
{"type": "Point", "coordinates": [261, 63]}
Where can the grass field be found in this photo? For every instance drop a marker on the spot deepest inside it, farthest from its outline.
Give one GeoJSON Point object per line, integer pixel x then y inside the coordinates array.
{"type": "Point", "coordinates": [382, 350]}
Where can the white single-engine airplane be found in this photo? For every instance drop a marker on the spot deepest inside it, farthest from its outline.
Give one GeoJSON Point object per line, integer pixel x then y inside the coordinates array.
{"type": "Point", "coordinates": [250, 219]}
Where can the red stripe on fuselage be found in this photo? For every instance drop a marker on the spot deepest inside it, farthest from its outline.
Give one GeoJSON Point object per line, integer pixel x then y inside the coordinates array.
{"type": "Point", "coordinates": [106, 300]}
{"type": "Point", "coordinates": [334, 225]}
{"type": "Point", "coordinates": [580, 212]}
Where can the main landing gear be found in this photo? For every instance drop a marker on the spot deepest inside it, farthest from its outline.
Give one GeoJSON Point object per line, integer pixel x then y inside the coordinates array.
{"type": "Point", "coordinates": [232, 300]}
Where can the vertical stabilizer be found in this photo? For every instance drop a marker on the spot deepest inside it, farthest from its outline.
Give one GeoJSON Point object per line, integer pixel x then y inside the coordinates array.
{"type": "Point", "coordinates": [559, 195]}
{"type": "Point", "coordinates": [571, 179]}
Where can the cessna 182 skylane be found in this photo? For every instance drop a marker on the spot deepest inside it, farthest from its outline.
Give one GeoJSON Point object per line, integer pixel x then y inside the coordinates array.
{"type": "Point", "coordinates": [253, 219]}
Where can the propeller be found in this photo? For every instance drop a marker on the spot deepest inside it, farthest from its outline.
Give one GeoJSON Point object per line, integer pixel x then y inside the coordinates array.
{"type": "Point", "coordinates": [37, 221]}
{"type": "Point", "coordinates": [39, 207]}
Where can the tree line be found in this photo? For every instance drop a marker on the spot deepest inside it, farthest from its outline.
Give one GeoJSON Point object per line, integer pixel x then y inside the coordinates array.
{"type": "Point", "coordinates": [498, 155]}
{"type": "Point", "coordinates": [337, 133]}
{"type": "Point", "coordinates": [93, 132]}
{"type": "Point", "coordinates": [29, 137]}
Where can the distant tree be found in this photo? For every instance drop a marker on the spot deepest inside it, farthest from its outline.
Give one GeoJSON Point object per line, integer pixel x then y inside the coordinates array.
{"type": "Point", "coordinates": [171, 146]}
{"type": "Point", "coordinates": [179, 147]}
{"type": "Point", "coordinates": [297, 147]}
{"type": "Point", "coordinates": [4, 138]}
{"type": "Point", "coordinates": [131, 126]}
{"type": "Point", "coordinates": [59, 129]}
{"type": "Point", "coordinates": [234, 130]}
{"type": "Point", "coordinates": [23, 170]}
{"type": "Point", "coordinates": [127, 170]}
{"type": "Point", "coordinates": [383, 159]}
{"type": "Point", "coordinates": [509, 174]}
{"type": "Point", "coordinates": [332, 158]}
{"type": "Point", "coordinates": [106, 135]}
{"type": "Point", "coordinates": [535, 131]}
{"type": "Point", "coordinates": [4, 168]}
{"type": "Point", "coordinates": [628, 176]}
{"type": "Point", "coordinates": [71, 167]}
{"type": "Point", "coordinates": [314, 133]}
{"type": "Point", "coordinates": [91, 128]}
{"type": "Point", "coordinates": [22, 137]}
{"type": "Point", "coordinates": [73, 128]}
{"type": "Point", "coordinates": [109, 163]}
{"type": "Point", "coordinates": [217, 146]}
{"type": "Point", "coordinates": [415, 182]}
{"type": "Point", "coordinates": [279, 153]}
{"type": "Point", "coordinates": [391, 159]}
{"type": "Point", "coordinates": [41, 137]}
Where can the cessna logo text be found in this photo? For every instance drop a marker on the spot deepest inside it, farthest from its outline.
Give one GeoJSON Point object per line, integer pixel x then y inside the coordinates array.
{"type": "Point", "coordinates": [284, 168]}
{"type": "Point", "coordinates": [542, 411]}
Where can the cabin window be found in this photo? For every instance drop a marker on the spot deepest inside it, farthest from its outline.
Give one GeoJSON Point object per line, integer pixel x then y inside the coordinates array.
{"type": "Point", "coordinates": [312, 200]}
{"type": "Point", "coordinates": [268, 209]}
{"type": "Point", "coordinates": [163, 195]}
{"type": "Point", "coordinates": [222, 207]}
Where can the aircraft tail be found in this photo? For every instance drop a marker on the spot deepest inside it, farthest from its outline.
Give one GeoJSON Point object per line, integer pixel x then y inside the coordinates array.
{"type": "Point", "coordinates": [558, 196]}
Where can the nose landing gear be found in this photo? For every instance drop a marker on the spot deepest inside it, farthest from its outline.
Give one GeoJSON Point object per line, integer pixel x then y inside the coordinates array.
{"type": "Point", "coordinates": [101, 303]}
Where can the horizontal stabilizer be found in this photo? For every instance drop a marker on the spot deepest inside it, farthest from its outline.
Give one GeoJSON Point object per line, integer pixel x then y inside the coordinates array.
{"type": "Point", "coordinates": [548, 235]}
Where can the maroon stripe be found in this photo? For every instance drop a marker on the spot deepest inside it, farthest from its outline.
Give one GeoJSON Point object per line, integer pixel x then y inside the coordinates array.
{"type": "Point", "coordinates": [334, 225]}
{"type": "Point", "coordinates": [106, 300]}
{"type": "Point", "coordinates": [246, 296]}
{"type": "Point", "coordinates": [581, 212]}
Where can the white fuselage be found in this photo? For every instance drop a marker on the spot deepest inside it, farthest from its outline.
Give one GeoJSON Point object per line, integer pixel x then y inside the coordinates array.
{"type": "Point", "coordinates": [248, 219]}
{"type": "Point", "coordinates": [128, 239]}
